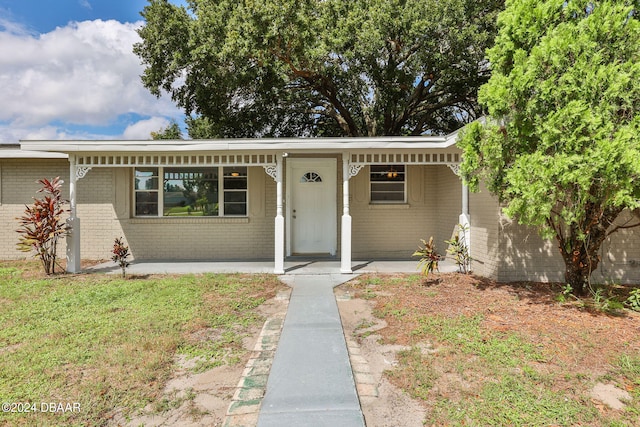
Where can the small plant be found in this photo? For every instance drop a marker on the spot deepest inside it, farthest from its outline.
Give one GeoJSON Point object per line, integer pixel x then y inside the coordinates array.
{"type": "Point", "coordinates": [567, 291]}
{"type": "Point", "coordinates": [605, 303]}
{"type": "Point", "coordinates": [459, 249]}
{"type": "Point", "coordinates": [42, 225]}
{"type": "Point", "coordinates": [120, 255]}
{"type": "Point", "coordinates": [633, 301]}
{"type": "Point", "coordinates": [429, 257]}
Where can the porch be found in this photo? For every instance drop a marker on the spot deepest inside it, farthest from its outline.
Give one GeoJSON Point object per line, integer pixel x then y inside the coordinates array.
{"type": "Point", "coordinates": [298, 266]}
{"type": "Point", "coordinates": [304, 222]}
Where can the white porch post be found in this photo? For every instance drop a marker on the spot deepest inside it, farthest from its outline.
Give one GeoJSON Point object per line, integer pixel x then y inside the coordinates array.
{"type": "Point", "coordinates": [73, 222]}
{"type": "Point", "coordinates": [464, 219]}
{"type": "Point", "coordinates": [345, 245]}
{"type": "Point", "coordinates": [279, 224]}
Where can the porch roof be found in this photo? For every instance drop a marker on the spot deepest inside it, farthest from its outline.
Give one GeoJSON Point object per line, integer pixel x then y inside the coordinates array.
{"type": "Point", "coordinates": [242, 144]}
{"type": "Point", "coordinates": [251, 151]}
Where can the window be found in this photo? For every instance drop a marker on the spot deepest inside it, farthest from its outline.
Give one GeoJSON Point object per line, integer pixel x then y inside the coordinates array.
{"type": "Point", "coordinates": [310, 177]}
{"type": "Point", "coordinates": [146, 190]}
{"type": "Point", "coordinates": [387, 183]}
{"type": "Point", "coordinates": [191, 191]}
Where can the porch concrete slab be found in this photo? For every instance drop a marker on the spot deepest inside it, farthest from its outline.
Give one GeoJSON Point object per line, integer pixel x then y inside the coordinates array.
{"type": "Point", "coordinates": [292, 267]}
{"type": "Point", "coordinates": [311, 382]}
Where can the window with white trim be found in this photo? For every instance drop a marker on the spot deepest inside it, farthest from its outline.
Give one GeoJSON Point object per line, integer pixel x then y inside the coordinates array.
{"type": "Point", "coordinates": [190, 191]}
{"type": "Point", "coordinates": [387, 183]}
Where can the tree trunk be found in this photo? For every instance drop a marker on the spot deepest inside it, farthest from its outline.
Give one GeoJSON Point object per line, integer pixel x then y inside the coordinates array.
{"type": "Point", "coordinates": [580, 246]}
{"type": "Point", "coordinates": [577, 277]}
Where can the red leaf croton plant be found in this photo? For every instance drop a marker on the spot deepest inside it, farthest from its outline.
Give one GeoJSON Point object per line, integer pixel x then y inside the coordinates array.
{"type": "Point", "coordinates": [42, 224]}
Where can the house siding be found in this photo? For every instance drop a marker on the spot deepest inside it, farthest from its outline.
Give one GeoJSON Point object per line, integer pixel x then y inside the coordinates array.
{"type": "Point", "coordinates": [104, 207]}
{"type": "Point", "coordinates": [224, 238]}
{"type": "Point", "coordinates": [506, 251]}
{"type": "Point", "coordinates": [448, 194]}
{"type": "Point", "coordinates": [17, 187]}
{"type": "Point", "coordinates": [393, 231]}
{"type": "Point", "coordinates": [501, 248]}
{"type": "Point", "coordinates": [526, 256]}
{"type": "Point", "coordinates": [485, 235]}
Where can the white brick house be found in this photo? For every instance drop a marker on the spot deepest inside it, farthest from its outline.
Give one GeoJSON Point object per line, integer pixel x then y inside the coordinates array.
{"type": "Point", "coordinates": [348, 198]}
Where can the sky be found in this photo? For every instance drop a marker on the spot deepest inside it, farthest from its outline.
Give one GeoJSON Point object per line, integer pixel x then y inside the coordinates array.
{"type": "Point", "coordinates": [67, 71]}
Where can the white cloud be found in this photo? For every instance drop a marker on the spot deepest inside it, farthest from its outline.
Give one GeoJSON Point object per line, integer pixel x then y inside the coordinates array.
{"type": "Point", "coordinates": [83, 74]}
{"type": "Point", "coordinates": [12, 27]}
{"type": "Point", "coordinates": [143, 128]}
{"type": "Point", "coordinates": [85, 4]}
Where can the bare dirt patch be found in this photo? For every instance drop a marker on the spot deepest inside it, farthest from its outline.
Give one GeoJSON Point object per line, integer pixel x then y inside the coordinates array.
{"type": "Point", "coordinates": [391, 407]}
{"type": "Point", "coordinates": [193, 399]}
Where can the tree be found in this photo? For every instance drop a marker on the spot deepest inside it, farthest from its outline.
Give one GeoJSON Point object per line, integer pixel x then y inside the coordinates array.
{"type": "Point", "coordinates": [561, 147]}
{"type": "Point", "coordinates": [42, 225]}
{"type": "Point", "coordinates": [319, 67]}
{"type": "Point", "coordinates": [170, 132]}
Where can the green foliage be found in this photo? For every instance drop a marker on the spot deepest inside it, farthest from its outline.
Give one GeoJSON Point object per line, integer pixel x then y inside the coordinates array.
{"type": "Point", "coordinates": [513, 400]}
{"type": "Point", "coordinates": [633, 301]}
{"type": "Point", "coordinates": [561, 147]}
{"type": "Point", "coordinates": [120, 254]}
{"type": "Point", "coordinates": [459, 250]}
{"type": "Point", "coordinates": [41, 225]}
{"type": "Point", "coordinates": [170, 132]}
{"type": "Point", "coordinates": [604, 301]}
{"type": "Point", "coordinates": [429, 256]}
{"type": "Point", "coordinates": [319, 68]}
{"type": "Point", "coordinates": [563, 296]}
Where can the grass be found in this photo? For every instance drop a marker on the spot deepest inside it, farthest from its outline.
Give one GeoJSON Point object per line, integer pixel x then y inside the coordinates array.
{"type": "Point", "coordinates": [503, 354]}
{"type": "Point", "coordinates": [513, 393]}
{"type": "Point", "coordinates": [110, 343]}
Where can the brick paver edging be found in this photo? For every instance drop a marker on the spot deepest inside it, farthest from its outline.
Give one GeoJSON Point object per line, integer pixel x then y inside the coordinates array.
{"type": "Point", "coordinates": [245, 404]}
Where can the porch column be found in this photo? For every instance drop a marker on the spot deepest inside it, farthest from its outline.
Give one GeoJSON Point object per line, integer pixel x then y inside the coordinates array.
{"type": "Point", "coordinates": [345, 242]}
{"type": "Point", "coordinates": [279, 225]}
{"type": "Point", "coordinates": [464, 219]}
{"type": "Point", "coordinates": [73, 222]}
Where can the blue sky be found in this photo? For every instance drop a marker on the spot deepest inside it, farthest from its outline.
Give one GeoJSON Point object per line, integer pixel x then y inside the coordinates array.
{"type": "Point", "coordinates": [67, 72]}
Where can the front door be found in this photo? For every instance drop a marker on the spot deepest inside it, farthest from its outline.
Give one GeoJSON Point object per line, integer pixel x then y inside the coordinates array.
{"type": "Point", "coordinates": [312, 207]}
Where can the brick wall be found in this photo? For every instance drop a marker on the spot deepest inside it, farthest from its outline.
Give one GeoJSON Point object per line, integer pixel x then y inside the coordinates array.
{"type": "Point", "coordinates": [17, 188]}
{"type": "Point", "coordinates": [526, 256]}
{"type": "Point", "coordinates": [393, 231]}
{"type": "Point", "coordinates": [104, 208]}
{"type": "Point", "coordinates": [209, 238]}
{"type": "Point", "coordinates": [449, 196]}
{"type": "Point", "coordinates": [485, 248]}
{"type": "Point", "coordinates": [500, 248]}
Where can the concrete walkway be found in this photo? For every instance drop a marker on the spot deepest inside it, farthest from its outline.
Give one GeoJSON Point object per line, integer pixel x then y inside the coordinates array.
{"type": "Point", "coordinates": [311, 382]}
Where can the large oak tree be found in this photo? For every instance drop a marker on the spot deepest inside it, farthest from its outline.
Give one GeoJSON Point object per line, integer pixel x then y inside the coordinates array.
{"type": "Point", "coordinates": [561, 148]}
{"type": "Point", "coordinates": [319, 67]}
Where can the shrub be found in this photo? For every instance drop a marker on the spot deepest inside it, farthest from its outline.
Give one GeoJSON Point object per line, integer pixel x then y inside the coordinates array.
{"type": "Point", "coordinates": [42, 225]}
{"type": "Point", "coordinates": [429, 257]}
{"type": "Point", "coordinates": [633, 301]}
{"type": "Point", "coordinates": [459, 249]}
{"type": "Point", "coordinates": [120, 255]}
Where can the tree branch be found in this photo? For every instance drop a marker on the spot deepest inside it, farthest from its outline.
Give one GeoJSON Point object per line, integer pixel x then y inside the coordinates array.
{"type": "Point", "coordinates": [326, 87]}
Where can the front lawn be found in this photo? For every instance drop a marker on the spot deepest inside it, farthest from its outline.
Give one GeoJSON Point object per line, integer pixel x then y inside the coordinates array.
{"type": "Point", "coordinates": [480, 353]}
{"type": "Point", "coordinates": [97, 343]}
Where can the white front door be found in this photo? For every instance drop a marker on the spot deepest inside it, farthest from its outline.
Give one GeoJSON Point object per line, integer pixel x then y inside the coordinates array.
{"type": "Point", "coordinates": [312, 206]}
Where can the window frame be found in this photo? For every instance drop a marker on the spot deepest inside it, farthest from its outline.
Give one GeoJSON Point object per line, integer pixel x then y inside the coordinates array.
{"type": "Point", "coordinates": [221, 191]}
{"type": "Point", "coordinates": [404, 173]}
